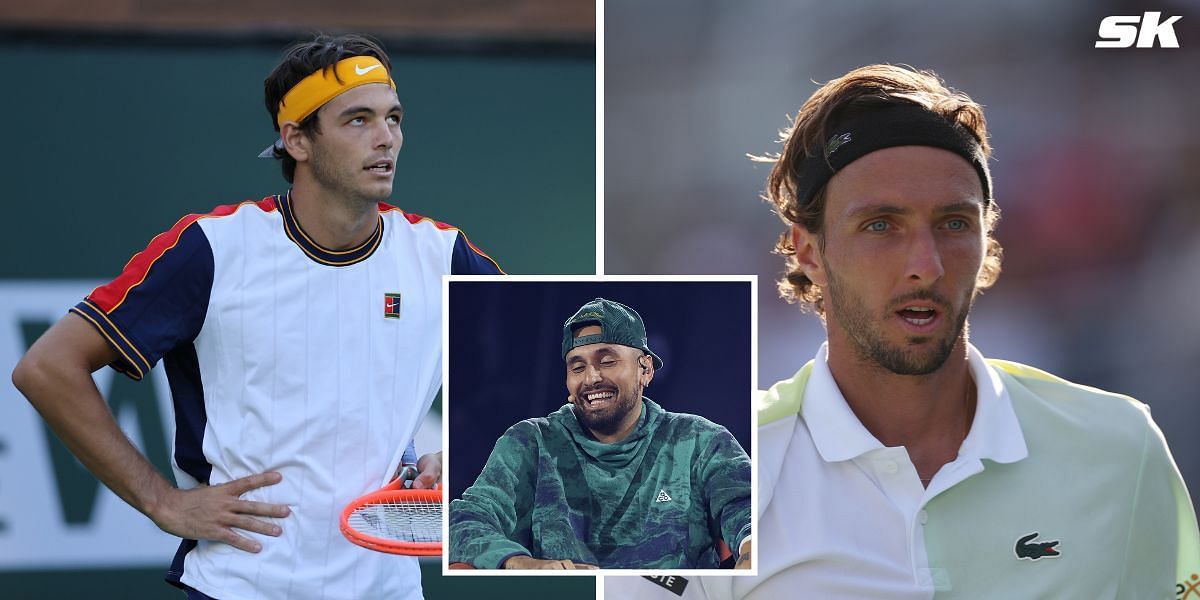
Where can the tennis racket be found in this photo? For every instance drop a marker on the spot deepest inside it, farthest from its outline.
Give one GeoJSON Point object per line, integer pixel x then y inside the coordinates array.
{"type": "Point", "coordinates": [396, 519]}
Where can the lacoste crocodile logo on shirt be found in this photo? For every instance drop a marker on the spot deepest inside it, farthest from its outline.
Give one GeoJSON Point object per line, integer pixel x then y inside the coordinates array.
{"type": "Point", "coordinates": [1027, 548]}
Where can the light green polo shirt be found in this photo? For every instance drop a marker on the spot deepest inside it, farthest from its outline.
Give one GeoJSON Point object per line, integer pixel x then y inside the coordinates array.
{"type": "Point", "coordinates": [1098, 479]}
{"type": "Point", "coordinates": [1059, 491]}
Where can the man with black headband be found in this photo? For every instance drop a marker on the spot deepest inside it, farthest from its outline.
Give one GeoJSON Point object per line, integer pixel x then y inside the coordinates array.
{"type": "Point", "coordinates": [899, 463]}
{"type": "Point", "coordinates": [602, 481]}
{"type": "Point", "coordinates": [301, 338]}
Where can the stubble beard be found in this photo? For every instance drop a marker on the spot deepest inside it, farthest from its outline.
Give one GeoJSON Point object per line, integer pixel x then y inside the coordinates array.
{"type": "Point", "coordinates": [609, 421]}
{"type": "Point", "coordinates": [866, 335]}
{"type": "Point", "coordinates": [326, 174]}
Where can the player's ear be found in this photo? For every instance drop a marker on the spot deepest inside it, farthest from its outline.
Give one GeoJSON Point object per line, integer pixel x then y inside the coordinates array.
{"type": "Point", "coordinates": [295, 141]}
{"type": "Point", "coordinates": [808, 254]}
{"type": "Point", "coordinates": [647, 365]}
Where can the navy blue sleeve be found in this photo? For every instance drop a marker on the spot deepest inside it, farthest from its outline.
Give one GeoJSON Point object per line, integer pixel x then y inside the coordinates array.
{"type": "Point", "coordinates": [158, 302]}
{"type": "Point", "coordinates": [469, 260]}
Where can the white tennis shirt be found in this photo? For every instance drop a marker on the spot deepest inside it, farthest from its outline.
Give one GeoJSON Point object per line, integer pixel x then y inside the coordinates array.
{"type": "Point", "coordinates": [1058, 491]}
{"type": "Point", "coordinates": [286, 356]}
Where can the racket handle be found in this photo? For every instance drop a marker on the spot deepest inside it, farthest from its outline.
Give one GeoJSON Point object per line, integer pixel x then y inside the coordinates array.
{"type": "Point", "coordinates": [405, 474]}
{"type": "Point", "coordinates": [409, 456]}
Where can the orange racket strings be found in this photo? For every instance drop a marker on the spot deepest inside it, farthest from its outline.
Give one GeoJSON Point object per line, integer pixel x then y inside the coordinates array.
{"type": "Point", "coordinates": [396, 521]}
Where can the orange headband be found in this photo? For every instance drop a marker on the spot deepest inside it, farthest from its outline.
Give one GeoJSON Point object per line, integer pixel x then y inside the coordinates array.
{"type": "Point", "coordinates": [324, 85]}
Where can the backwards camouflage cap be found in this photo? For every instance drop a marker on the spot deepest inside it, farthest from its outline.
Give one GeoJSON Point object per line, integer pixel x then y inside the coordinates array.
{"type": "Point", "coordinates": [618, 323]}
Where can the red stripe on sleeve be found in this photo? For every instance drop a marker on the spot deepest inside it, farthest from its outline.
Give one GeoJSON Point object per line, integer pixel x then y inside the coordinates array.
{"type": "Point", "coordinates": [414, 219]}
{"type": "Point", "coordinates": [109, 296]}
{"type": "Point", "coordinates": [436, 223]}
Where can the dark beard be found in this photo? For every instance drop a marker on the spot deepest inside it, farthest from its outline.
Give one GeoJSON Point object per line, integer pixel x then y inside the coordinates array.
{"type": "Point", "coordinates": [870, 346]}
{"type": "Point", "coordinates": [329, 178]}
{"type": "Point", "coordinates": [608, 422]}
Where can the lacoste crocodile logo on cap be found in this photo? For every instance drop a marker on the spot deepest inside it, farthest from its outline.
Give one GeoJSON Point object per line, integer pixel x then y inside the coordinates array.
{"type": "Point", "coordinates": [1026, 548]}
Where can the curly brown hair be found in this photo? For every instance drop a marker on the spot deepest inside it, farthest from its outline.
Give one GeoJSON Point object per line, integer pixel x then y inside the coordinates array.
{"type": "Point", "coordinates": [861, 90]}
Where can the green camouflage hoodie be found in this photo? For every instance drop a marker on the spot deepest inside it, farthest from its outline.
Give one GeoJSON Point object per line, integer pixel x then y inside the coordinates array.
{"type": "Point", "coordinates": [659, 499]}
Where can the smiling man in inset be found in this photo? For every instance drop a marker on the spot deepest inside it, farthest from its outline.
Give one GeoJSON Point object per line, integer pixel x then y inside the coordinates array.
{"type": "Point", "coordinates": [610, 480]}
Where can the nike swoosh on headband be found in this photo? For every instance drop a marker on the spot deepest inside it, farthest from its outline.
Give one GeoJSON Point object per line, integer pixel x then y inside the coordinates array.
{"type": "Point", "coordinates": [323, 85]}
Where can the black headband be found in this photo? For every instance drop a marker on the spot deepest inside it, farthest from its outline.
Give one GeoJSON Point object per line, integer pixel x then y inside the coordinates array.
{"type": "Point", "coordinates": [893, 125]}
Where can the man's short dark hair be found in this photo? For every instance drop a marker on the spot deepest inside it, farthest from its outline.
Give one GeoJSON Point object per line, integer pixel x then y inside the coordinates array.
{"type": "Point", "coordinates": [304, 59]}
{"type": "Point", "coordinates": [861, 90]}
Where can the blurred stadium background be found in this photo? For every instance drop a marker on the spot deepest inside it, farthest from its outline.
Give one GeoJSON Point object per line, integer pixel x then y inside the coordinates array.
{"type": "Point", "coordinates": [1096, 168]}
{"type": "Point", "coordinates": [123, 116]}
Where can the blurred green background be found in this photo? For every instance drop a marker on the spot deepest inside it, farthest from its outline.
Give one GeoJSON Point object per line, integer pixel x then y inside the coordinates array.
{"type": "Point", "coordinates": [108, 145]}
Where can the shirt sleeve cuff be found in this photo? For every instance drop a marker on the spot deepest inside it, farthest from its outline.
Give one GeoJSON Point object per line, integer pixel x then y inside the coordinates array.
{"type": "Point", "coordinates": [497, 553]}
{"type": "Point", "coordinates": [131, 361]}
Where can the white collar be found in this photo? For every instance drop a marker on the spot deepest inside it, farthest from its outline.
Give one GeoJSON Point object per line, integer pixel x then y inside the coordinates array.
{"type": "Point", "coordinates": [838, 434]}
